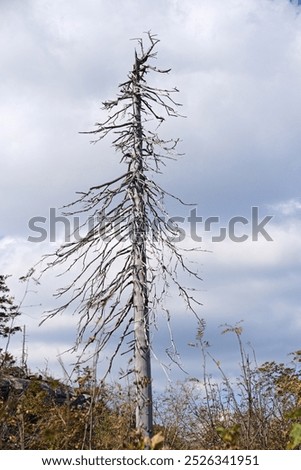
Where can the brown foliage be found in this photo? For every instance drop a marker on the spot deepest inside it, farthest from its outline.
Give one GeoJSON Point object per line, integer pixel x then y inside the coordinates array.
{"type": "Point", "coordinates": [259, 409]}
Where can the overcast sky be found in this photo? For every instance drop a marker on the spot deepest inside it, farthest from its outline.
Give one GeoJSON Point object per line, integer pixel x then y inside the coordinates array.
{"type": "Point", "coordinates": [237, 64]}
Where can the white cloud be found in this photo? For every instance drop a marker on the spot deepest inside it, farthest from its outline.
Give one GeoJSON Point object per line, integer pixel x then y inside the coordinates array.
{"type": "Point", "coordinates": [288, 208]}
{"type": "Point", "coordinates": [238, 68]}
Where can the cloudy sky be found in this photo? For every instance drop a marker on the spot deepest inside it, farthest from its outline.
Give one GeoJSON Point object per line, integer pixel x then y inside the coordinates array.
{"type": "Point", "coordinates": [237, 64]}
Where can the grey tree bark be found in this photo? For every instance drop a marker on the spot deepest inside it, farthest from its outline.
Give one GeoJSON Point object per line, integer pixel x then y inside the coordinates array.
{"type": "Point", "coordinates": [142, 359]}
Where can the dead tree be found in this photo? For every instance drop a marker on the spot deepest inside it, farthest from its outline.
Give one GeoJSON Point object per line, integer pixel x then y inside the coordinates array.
{"type": "Point", "coordinates": [127, 258]}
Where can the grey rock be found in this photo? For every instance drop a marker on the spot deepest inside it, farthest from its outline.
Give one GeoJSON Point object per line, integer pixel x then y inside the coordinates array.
{"type": "Point", "coordinates": [59, 394]}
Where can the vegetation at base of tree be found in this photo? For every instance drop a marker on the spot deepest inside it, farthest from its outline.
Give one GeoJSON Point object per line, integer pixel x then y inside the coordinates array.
{"type": "Point", "coordinates": [259, 409]}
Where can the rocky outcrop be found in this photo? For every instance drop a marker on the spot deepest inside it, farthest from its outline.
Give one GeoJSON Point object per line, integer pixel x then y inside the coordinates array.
{"type": "Point", "coordinates": [58, 393]}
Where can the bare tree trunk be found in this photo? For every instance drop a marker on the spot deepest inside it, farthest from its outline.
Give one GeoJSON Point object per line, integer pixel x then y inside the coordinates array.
{"type": "Point", "coordinates": [142, 360]}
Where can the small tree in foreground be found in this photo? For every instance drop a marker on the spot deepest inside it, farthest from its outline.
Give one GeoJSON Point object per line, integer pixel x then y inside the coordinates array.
{"type": "Point", "coordinates": [8, 313]}
{"type": "Point", "coordinates": [127, 260]}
